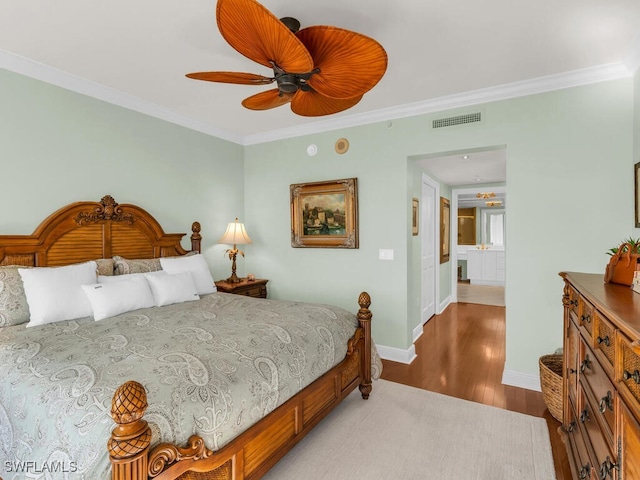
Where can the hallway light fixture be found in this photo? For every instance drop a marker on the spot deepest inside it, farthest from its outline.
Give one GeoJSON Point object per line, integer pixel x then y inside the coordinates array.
{"type": "Point", "coordinates": [486, 195]}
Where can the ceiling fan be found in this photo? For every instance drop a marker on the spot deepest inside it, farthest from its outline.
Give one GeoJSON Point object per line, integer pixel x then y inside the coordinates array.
{"type": "Point", "coordinates": [319, 70]}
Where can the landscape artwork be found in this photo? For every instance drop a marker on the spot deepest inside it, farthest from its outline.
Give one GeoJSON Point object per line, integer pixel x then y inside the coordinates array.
{"type": "Point", "coordinates": [325, 214]}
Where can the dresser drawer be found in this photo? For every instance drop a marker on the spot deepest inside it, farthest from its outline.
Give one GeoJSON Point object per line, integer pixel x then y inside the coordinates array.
{"type": "Point", "coordinates": [585, 315]}
{"type": "Point", "coordinates": [600, 391]}
{"type": "Point", "coordinates": [571, 299]}
{"type": "Point", "coordinates": [630, 375]}
{"type": "Point", "coordinates": [600, 446]}
{"type": "Point", "coordinates": [572, 360]}
{"type": "Point", "coordinates": [629, 445]}
{"type": "Point", "coordinates": [604, 340]}
{"type": "Point", "coordinates": [578, 446]}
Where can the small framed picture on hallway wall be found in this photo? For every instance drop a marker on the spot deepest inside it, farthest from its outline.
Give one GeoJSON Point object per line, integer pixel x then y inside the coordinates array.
{"type": "Point", "coordinates": [445, 229]}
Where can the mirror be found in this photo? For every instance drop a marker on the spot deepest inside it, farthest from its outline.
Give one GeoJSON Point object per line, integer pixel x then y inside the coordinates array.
{"type": "Point", "coordinates": [466, 226]}
{"type": "Point", "coordinates": [493, 227]}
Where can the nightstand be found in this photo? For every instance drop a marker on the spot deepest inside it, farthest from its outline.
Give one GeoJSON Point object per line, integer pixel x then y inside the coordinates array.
{"type": "Point", "coordinates": [257, 288]}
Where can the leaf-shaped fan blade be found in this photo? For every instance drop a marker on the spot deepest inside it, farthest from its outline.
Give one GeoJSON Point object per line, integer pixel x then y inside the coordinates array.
{"type": "Point", "coordinates": [231, 77]}
{"type": "Point", "coordinates": [350, 63]}
{"type": "Point", "coordinates": [314, 104]}
{"type": "Point", "coordinates": [258, 34]}
{"type": "Point", "coordinates": [266, 100]}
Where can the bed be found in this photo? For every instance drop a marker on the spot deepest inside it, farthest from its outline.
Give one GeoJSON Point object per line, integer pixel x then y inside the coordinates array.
{"type": "Point", "coordinates": [170, 392]}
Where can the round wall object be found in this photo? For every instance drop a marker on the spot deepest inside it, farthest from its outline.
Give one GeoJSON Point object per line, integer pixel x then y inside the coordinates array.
{"type": "Point", "coordinates": [312, 149]}
{"type": "Point", "coordinates": [342, 145]}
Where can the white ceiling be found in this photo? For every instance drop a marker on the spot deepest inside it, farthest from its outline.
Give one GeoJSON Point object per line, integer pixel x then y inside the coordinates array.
{"type": "Point", "coordinates": [135, 53]}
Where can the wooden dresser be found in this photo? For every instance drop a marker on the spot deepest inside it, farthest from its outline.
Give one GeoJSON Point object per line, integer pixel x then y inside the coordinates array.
{"type": "Point", "coordinates": [601, 395]}
{"type": "Point", "coordinates": [256, 288]}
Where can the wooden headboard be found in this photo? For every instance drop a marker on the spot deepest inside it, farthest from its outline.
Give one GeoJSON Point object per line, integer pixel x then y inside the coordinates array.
{"type": "Point", "coordinates": [84, 231]}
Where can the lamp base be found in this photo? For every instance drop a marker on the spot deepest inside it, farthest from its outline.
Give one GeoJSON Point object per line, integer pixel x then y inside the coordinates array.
{"type": "Point", "coordinates": [234, 278]}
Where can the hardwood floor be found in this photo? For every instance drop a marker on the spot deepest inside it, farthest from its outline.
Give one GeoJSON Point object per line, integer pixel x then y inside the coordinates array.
{"type": "Point", "coordinates": [461, 353]}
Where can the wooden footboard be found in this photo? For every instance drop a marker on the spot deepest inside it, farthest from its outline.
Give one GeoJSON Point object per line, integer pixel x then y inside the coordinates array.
{"type": "Point", "coordinates": [256, 450]}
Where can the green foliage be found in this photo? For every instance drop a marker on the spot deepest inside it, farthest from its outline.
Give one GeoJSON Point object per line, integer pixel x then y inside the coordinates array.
{"type": "Point", "coordinates": [634, 242]}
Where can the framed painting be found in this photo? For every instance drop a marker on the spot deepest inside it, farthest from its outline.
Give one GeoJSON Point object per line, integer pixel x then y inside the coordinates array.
{"type": "Point", "coordinates": [445, 229]}
{"type": "Point", "coordinates": [636, 192]}
{"type": "Point", "coordinates": [415, 216]}
{"type": "Point", "coordinates": [325, 214]}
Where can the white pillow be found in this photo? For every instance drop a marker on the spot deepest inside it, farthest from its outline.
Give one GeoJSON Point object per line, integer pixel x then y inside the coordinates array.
{"type": "Point", "coordinates": [119, 278]}
{"type": "Point", "coordinates": [194, 264]}
{"type": "Point", "coordinates": [55, 293]}
{"type": "Point", "coordinates": [113, 298]}
{"type": "Point", "coordinates": [172, 288]}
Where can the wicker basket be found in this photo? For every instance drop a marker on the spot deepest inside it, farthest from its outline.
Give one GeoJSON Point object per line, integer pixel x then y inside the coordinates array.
{"type": "Point", "coordinates": [551, 383]}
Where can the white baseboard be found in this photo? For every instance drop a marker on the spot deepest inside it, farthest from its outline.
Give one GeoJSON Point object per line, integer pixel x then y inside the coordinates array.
{"type": "Point", "coordinates": [443, 305]}
{"type": "Point", "coordinates": [417, 332]}
{"type": "Point", "coordinates": [396, 354]}
{"type": "Point", "coordinates": [523, 380]}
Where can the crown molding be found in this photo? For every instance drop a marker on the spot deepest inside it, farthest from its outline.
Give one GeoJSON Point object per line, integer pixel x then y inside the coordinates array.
{"type": "Point", "coordinates": [54, 76]}
{"type": "Point", "coordinates": [39, 71]}
{"type": "Point", "coordinates": [632, 59]}
{"type": "Point", "coordinates": [601, 73]}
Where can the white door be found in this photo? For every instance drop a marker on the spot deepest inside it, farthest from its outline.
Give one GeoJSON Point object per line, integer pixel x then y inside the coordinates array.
{"type": "Point", "coordinates": [428, 226]}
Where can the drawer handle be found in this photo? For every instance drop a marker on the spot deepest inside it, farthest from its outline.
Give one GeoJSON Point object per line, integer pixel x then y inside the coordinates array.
{"type": "Point", "coordinates": [606, 403]}
{"type": "Point", "coordinates": [635, 375]}
{"type": "Point", "coordinates": [585, 318]}
{"type": "Point", "coordinates": [574, 302]}
{"type": "Point", "coordinates": [604, 340]}
{"type": "Point", "coordinates": [584, 416]}
{"type": "Point", "coordinates": [572, 426]}
{"type": "Point", "coordinates": [586, 364]}
{"type": "Point", "coordinates": [584, 471]}
{"type": "Point", "coordinates": [573, 370]}
{"type": "Point", "coordinates": [606, 468]}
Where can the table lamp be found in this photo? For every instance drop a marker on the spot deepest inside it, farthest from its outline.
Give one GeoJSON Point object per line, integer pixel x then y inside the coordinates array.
{"type": "Point", "coordinates": [235, 235]}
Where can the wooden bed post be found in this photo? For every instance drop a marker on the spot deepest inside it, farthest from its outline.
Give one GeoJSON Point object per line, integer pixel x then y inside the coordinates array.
{"type": "Point", "coordinates": [364, 317]}
{"type": "Point", "coordinates": [196, 238]}
{"type": "Point", "coordinates": [129, 443]}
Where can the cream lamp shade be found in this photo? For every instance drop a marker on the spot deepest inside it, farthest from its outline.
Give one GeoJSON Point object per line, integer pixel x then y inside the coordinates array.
{"type": "Point", "coordinates": [235, 235]}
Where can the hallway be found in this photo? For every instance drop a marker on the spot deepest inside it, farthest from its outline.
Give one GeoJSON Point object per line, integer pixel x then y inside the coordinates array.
{"type": "Point", "coordinates": [461, 353]}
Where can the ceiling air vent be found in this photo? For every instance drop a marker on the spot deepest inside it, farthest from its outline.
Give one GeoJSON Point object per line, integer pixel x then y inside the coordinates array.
{"type": "Point", "coordinates": [458, 120]}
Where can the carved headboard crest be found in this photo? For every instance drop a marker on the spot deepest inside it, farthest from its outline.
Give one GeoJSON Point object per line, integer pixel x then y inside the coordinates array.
{"type": "Point", "coordinates": [108, 209]}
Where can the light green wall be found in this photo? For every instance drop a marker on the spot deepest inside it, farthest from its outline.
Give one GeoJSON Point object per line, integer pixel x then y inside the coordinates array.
{"type": "Point", "coordinates": [58, 147]}
{"type": "Point", "coordinates": [334, 275]}
{"type": "Point", "coordinates": [566, 151]}
{"type": "Point", "coordinates": [636, 122]}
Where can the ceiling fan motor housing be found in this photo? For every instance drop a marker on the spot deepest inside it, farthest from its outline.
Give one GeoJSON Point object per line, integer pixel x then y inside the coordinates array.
{"type": "Point", "coordinates": [287, 83]}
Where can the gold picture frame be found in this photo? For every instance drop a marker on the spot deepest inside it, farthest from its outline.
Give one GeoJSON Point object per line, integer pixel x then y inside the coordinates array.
{"type": "Point", "coordinates": [415, 216]}
{"type": "Point", "coordinates": [636, 192]}
{"type": "Point", "coordinates": [325, 214]}
{"type": "Point", "coordinates": [445, 229]}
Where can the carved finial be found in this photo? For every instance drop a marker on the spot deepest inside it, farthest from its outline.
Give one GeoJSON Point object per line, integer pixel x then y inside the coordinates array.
{"type": "Point", "coordinates": [129, 403]}
{"type": "Point", "coordinates": [195, 228]}
{"type": "Point", "coordinates": [364, 300]}
{"type": "Point", "coordinates": [196, 238]}
{"type": "Point", "coordinates": [132, 436]}
{"type": "Point", "coordinates": [107, 210]}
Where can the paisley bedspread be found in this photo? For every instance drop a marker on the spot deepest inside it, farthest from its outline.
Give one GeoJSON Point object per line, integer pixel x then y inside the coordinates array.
{"type": "Point", "coordinates": [212, 367]}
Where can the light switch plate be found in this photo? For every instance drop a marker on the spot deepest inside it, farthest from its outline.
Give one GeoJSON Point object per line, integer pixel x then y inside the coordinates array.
{"type": "Point", "coordinates": [386, 254]}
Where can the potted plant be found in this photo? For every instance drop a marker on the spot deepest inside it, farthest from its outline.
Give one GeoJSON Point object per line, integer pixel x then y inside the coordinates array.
{"type": "Point", "coordinates": [634, 242]}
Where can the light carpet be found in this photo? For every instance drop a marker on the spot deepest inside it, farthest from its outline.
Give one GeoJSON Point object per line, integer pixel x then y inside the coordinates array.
{"type": "Point", "coordinates": [404, 433]}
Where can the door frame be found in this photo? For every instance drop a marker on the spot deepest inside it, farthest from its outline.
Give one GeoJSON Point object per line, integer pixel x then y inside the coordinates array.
{"type": "Point", "coordinates": [435, 228]}
{"type": "Point", "coordinates": [453, 248]}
